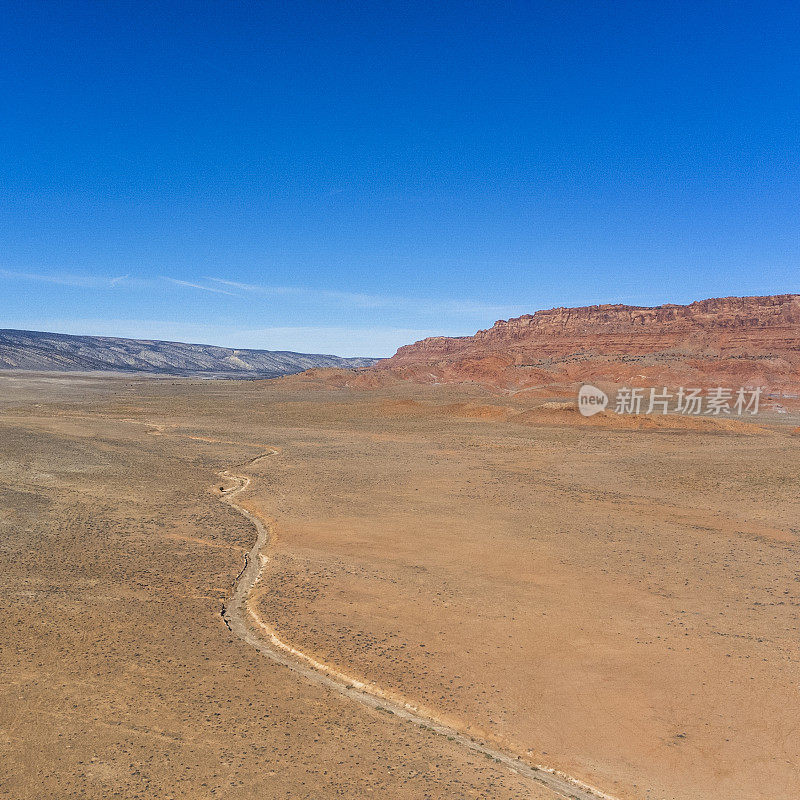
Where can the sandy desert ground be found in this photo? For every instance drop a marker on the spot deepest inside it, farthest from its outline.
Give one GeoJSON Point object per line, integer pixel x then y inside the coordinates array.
{"type": "Point", "coordinates": [619, 604]}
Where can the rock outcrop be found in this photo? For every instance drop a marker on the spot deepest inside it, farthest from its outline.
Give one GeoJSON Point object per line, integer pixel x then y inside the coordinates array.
{"type": "Point", "coordinates": [723, 341]}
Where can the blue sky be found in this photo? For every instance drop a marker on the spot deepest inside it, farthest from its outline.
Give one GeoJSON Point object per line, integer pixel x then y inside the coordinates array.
{"type": "Point", "coordinates": [349, 177]}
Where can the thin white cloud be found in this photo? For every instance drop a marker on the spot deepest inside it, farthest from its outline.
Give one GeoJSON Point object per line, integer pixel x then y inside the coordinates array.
{"type": "Point", "coordinates": [456, 308]}
{"type": "Point", "coordinates": [79, 281]}
{"type": "Point", "coordinates": [348, 298]}
{"type": "Point", "coordinates": [83, 281]}
{"type": "Point", "coordinates": [251, 287]}
{"type": "Point", "coordinates": [345, 300]}
{"type": "Point", "coordinates": [199, 286]}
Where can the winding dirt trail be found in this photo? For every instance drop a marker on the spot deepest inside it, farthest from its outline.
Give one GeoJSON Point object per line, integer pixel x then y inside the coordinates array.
{"type": "Point", "coordinates": [244, 621]}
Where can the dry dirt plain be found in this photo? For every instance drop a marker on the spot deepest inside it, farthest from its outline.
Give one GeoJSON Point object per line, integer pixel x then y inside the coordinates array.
{"type": "Point", "coordinates": [620, 604]}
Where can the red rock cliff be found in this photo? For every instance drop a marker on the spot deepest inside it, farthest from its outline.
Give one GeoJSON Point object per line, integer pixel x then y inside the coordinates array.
{"type": "Point", "coordinates": [730, 340]}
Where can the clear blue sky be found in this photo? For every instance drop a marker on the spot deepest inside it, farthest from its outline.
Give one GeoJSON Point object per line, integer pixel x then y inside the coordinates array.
{"type": "Point", "coordinates": [348, 177]}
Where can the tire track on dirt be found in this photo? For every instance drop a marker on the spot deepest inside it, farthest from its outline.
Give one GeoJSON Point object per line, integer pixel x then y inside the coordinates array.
{"type": "Point", "coordinates": [244, 621]}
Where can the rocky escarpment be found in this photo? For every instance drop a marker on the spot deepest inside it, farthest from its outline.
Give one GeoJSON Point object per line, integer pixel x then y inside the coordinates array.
{"type": "Point", "coordinates": [730, 340]}
{"type": "Point", "coordinates": [34, 350]}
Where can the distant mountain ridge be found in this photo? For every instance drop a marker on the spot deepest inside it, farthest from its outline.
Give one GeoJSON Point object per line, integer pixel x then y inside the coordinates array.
{"type": "Point", "coordinates": [61, 352]}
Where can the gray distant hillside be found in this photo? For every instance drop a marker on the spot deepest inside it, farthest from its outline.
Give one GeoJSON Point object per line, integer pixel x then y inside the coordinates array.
{"type": "Point", "coordinates": [60, 352]}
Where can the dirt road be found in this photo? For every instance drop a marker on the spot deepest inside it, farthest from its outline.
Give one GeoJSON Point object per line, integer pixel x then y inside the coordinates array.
{"type": "Point", "coordinates": [245, 622]}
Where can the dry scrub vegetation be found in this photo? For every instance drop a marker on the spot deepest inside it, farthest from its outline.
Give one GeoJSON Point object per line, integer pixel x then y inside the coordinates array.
{"type": "Point", "coordinates": [620, 604]}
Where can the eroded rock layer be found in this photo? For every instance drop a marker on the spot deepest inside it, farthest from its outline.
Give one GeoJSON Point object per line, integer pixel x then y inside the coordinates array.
{"type": "Point", "coordinates": [725, 341]}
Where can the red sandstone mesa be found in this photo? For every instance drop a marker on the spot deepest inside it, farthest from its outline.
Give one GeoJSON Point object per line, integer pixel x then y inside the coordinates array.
{"type": "Point", "coordinates": [724, 341]}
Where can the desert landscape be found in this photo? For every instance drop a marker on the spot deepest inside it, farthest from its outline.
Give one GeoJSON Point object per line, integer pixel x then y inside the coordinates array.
{"type": "Point", "coordinates": [120, 677]}
{"type": "Point", "coordinates": [399, 401]}
{"type": "Point", "coordinates": [617, 603]}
